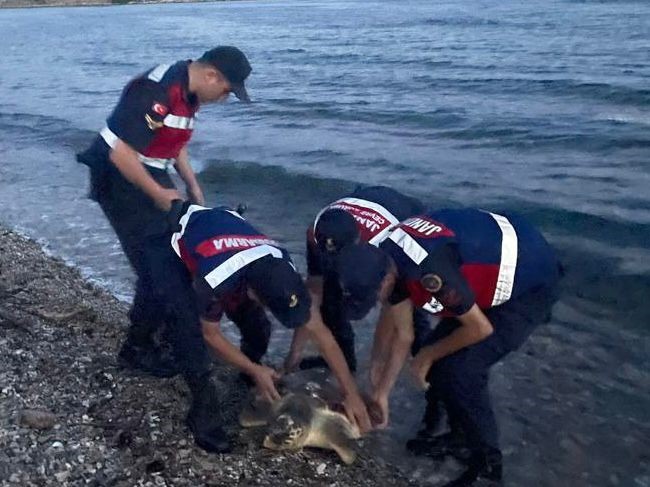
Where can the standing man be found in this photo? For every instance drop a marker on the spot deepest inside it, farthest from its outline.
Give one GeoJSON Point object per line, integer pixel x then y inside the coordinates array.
{"type": "Point", "coordinates": [366, 215]}
{"type": "Point", "coordinates": [493, 279]}
{"type": "Point", "coordinates": [147, 134]}
{"type": "Point", "coordinates": [240, 272]}
{"type": "Point", "coordinates": [144, 137]}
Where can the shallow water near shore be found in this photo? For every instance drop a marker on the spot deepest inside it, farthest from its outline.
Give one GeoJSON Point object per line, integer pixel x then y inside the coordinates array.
{"type": "Point", "coordinates": [541, 108]}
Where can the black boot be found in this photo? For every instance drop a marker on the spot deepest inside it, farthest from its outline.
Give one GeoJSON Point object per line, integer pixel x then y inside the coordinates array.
{"type": "Point", "coordinates": [434, 421]}
{"type": "Point", "coordinates": [438, 447]}
{"type": "Point", "coordinates": [485, 469]}
{"type": "Point", "coordinates": [202, 418]}
{"type": "Point", "coordinates": [146, 357]}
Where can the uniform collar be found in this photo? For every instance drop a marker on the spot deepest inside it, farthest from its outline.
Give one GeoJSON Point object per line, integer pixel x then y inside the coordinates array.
{"type": "Point", "coordinates": [185, 83]}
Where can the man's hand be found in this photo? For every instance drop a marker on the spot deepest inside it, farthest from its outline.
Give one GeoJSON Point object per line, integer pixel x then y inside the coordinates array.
{"type": "Point", "coordinates": [376, 370]}
{"type": "Point", "coordinates": [195, 194]}
{"type": "Point", "coordinates": [164, 197]}
{"type": "Point", "coordinates": [291, 362]}
{"type": "Point", "coordinates": [300, 338]}
{"type": "Point", "coordinates": [420, 366]}
{"type": "Point", "coordinates": [378, 408]}
{"type": "Point", "coordinates": [185, 171]}
{"type": "Point", "coordinates": [265, 378]}
{"type": "Point", "coordinates": [355, 410]}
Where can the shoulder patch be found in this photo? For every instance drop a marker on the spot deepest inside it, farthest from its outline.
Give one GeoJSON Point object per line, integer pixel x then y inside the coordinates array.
{"type": "Point", "coordinates": [159, 108]}
{"type": "Point", "coordinates": [330, 245]}
{"type": "Point", "coordinates": [431, 282]}
{"type": "Point", "coordinates": [151, 123]}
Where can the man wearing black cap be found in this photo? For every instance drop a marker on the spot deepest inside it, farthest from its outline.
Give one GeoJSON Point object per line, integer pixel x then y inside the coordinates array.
{"type": "Point", "coordinates": [144, 137]}
{"type": "Point", "coordinates": [240, 272]}
{"type": "Point", "coordinates": [365, 215]}
{"type": "Point", "coordinates": [492, 278]}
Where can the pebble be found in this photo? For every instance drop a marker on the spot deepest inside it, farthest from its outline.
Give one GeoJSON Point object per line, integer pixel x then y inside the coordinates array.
{"type": "Point", "coordinates": [37, 419]}
{"type": "Point", "coordinates": [62, 476]}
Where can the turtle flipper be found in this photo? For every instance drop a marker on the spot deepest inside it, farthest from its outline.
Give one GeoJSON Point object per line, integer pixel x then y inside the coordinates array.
{"type": "Point", "coordinates": [256, 413]}
{"type": "Point", "coordinates": [332, 431]}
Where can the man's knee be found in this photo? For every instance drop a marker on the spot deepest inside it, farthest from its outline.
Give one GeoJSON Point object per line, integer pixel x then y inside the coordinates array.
{"type": "Point", "coordinates": [458, 374]}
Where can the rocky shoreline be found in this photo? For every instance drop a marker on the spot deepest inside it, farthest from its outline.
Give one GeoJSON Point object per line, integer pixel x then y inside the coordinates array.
{"type": "Point", "coordinates": [70, 416]}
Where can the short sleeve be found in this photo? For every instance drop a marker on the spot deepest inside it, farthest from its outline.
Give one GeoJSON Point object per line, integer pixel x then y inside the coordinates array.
{"type": "Point", "coordinates": [210, 307]}
{"type": "Point", "coordinates": [443, 268]}
{"type": "Point", "coordinates": [314, 258]}
{"type": "Point", "coordinates": [139, 113]}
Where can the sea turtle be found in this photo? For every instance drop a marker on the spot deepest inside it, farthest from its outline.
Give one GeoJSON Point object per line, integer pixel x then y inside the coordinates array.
{"type": "Point", "coordinates": [298, 420]}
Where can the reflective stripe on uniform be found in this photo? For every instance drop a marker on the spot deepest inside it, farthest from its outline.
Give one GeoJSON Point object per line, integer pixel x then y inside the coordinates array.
{"type": "Point", "coordinates": [381, 236]}
{"type": "Point", "coordinates": [158, 72]}
{"type": "Point", "coordinates": [183, 223]}
{"type": "Point", "coordinates": [156, 162]}
{"type": "Point", "coordinates": [111, 140]}
{"type": "Point", "coordinates": [238, 261]}
{"type": "Point", "coordinates": [109, 137]}
{"type": "Point", "coordinates": [176, 122]}
{"type": "Point", "coordinates": [508, 265]}
{"type": "Point", "coordinates": [409, 245]}
{"type": "Point", "coordinates": [376, 207]}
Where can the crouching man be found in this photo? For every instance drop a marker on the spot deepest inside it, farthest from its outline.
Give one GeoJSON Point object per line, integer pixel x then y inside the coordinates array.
{"type": "Point", "coordinates": [240, 272]}
{"type": "Point", "coordinates": [493, 280]}
{"type": "Point", "coordinates": [365, 215]}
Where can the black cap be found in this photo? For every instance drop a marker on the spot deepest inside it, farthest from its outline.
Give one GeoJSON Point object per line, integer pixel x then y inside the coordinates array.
{"type": "Point", "coordinates": [361, 268]}
{"type": "Point", "coordinates": [233, 64]}
{"type": "Point", "coordinates": [334, 230]}
{"type": "Point", "coordinates": [281, 289]}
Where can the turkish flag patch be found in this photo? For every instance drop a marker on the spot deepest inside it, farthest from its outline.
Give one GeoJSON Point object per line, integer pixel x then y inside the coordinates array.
{"type": "Point", "coordinates": [160, 109]}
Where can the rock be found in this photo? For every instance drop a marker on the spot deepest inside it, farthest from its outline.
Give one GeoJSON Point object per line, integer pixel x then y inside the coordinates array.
{"type": "Point", "coordinates": [155, 466]}
{"type": "Point", "coordinates": [61, 476]}
{"type": "Point", "coordinates": [107, 414]}
{"type": "Point", "coordinates": [37, 419]}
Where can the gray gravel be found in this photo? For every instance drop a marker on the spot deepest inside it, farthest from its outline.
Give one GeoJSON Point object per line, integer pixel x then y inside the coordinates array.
{"type": "Point", "coordinates": [70, 416]}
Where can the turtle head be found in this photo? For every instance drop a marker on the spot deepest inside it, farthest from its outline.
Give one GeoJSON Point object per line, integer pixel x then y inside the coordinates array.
{"type": "Point", "coordinates": [285, 433]}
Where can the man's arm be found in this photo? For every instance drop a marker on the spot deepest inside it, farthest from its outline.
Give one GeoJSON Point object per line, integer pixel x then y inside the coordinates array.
{"type": "Point", "coordinates": [301, 335]}
{"type": "Point", "coordinates": [139, 114]}
{"type": "Point", "coordinates": [401, 317]}
{"type": "Point", "coordinates": [455, 294]}
{"type": "Point", "coordinates": [475, 327]}
{"type": "Point", "coordinates": [126, 160]}
{"type": "Point", "coordinates": [354, 406]}
{"type": "Point", "coordinates": [185, 171]}
{"type": "Point", "coordinates": [263, 376]}
{"type": "Point", "coordinates": [383, 339]}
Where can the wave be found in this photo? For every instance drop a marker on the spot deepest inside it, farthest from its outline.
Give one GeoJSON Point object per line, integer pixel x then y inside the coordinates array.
{"type": "Point", "coordinates": [604, 92]}
{"type": "Point", "coordinates": [460, 21]}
